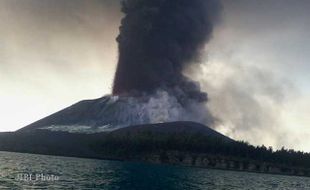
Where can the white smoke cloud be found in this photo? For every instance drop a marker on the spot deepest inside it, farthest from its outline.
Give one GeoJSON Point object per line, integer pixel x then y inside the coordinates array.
{"type": "Point", "coordinates": [255, 73]}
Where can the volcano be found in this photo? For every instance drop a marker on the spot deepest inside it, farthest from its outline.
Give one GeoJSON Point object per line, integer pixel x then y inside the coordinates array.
{"type": "Point", "coordinates": [152, 104]}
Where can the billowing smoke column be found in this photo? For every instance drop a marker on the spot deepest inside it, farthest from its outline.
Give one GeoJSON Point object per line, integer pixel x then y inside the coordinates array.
{"type": "Point", "coordinates": [157, 40]}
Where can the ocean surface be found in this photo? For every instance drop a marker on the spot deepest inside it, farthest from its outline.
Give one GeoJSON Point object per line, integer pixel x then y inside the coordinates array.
{"type": "Point", "coordinates": [29, 171]}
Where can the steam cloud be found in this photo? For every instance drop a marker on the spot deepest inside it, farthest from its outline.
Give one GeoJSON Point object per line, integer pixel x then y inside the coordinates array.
{"type": "Point", "coordinates": [157, 40]}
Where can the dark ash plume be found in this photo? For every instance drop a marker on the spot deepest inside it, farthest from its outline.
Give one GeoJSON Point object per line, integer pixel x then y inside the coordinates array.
{"type": "Point", "coordinates": [157, 40]}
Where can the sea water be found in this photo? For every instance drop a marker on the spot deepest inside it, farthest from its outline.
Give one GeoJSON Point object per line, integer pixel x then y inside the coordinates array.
{"type": "Point", "coordinates": [29, 171]}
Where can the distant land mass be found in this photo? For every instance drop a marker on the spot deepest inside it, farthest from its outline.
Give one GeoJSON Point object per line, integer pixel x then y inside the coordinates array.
{"type": "Point", "coordinates": [176, 143]}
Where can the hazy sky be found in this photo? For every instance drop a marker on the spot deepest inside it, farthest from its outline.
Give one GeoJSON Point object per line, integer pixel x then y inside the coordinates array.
{"type": "Point", "coordinates": [55, 53]}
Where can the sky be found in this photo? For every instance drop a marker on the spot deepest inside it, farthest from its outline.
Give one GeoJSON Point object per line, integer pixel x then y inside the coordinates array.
{"type": "Point", "coordinates": [255, 68]}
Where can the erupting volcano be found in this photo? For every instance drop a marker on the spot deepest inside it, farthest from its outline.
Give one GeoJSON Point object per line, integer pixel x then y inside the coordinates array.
{"type": "Point", "coordinates": [158, 39]}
